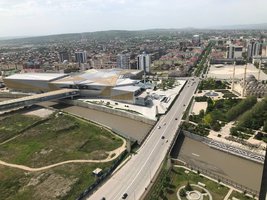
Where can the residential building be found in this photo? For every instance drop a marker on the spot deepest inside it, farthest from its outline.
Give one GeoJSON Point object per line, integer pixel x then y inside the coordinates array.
{"type": "Point", "coordinates": [144, 62]}
{"type": "Point", "coordinates": [234, 51]}
{"type": "Point", "coordinates": [81, 56]}
{"type": "Point", "coordinates": [63, 55]}
{"type": "Point", "coordinates": [123, 61]}
{"type": "Point", "coordinates": [196, 40]}
{"type": "Point", "coordinates": [254, 49]}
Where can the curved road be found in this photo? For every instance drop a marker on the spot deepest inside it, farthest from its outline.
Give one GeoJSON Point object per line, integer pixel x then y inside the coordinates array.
{"type": "Point", "coordinates": [137, 173]}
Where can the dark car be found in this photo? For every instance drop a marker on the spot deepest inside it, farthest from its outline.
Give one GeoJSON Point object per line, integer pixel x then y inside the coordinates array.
{"type": "Point", "coordinates": [175, 118]}
{"type": "Point", "coordinates": [162, 137]}
{"type": "Point", "coordinates": [124, 196]}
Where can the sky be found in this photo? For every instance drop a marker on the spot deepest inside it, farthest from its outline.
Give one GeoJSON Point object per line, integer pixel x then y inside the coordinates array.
{"type": "Point", "coordinates": [45, 17]}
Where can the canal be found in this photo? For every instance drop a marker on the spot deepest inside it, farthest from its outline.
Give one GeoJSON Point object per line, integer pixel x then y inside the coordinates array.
{"type": "Point", "coordinates": [236, 169]}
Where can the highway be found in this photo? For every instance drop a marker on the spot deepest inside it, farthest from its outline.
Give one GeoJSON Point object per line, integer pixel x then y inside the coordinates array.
{"type": "Point", "coordinates": [136, 175]}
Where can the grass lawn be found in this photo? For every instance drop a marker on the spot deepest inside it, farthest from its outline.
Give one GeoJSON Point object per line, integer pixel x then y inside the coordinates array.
{"type": "Point", "coordinates": [64, 182]}
{"type": "Point", "coordinates": [180, 178]}
{"type": "Point", "coordinates": [60, 138]}
{"type": "Point", "coordinates": [240, 196]}
{"type": "Point", "coordinates": [12, 125]}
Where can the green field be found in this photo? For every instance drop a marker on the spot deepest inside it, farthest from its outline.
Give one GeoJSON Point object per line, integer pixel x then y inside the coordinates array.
{"type": "Point", "coordinates": [64, 182]}
{"type": "Point", "coordinates": [179, 178]}
{"type": "Point", "coordinates": [58, 139]}
{"type": "Point", "coordinates": [13, 125]}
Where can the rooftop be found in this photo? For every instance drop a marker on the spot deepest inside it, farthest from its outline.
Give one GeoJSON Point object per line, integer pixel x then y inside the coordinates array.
{"type": "Point", "coordinates": [37, 76]}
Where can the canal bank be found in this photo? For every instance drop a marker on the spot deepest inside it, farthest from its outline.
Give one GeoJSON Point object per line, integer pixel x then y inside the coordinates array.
{"type": "Point", "coordinates": [225, 166]}
{"type": "Point", "coordinates": [126, 127]}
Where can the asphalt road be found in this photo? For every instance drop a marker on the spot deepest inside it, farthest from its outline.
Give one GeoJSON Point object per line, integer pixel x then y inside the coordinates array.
{"type": "Point", "coordinates": [137, 173]}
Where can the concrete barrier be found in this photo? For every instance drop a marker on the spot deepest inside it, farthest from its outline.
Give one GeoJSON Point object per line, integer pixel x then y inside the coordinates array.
{"type": "Point", "coordinates": [110, 110]}
{"type": "Point", "coordinates": [11, 95]}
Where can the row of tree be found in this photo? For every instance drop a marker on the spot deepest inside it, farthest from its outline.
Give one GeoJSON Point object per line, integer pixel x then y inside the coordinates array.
{"type": "Point", "coordinates": [241, 107]}
{"type": "Point", "coordinates": [256, 117]}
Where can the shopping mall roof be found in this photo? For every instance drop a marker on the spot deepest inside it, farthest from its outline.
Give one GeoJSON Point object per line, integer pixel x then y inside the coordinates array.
{"type": "Point", "coordinates": [104, 77]}
{"type": "Point", "coordinates": [37, 76]}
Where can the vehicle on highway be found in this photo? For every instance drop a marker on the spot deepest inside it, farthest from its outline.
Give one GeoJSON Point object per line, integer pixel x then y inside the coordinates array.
{"type": "Point", "coordinates": [164, 123]}
{"type": "Point", "coordinates": [175, 118]}
{"type": "Point", "coordinates": [184, 104]}
{"type": "Point", "coordinates": [124, 196]}
{"type": "Point", "coordinates": [162, 137]}
{"type": "Point", "coordinates": [103, 198]}
{"type": "Point", "coordinates": [159, 127]}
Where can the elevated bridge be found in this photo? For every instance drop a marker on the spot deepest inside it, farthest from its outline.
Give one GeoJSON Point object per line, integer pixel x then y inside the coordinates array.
{"type": "Point", "coordinates": [37, 98]}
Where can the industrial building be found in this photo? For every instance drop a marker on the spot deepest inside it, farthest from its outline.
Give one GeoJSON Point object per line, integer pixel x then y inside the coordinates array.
{"type": "Point", "coordinates": [116, 84]}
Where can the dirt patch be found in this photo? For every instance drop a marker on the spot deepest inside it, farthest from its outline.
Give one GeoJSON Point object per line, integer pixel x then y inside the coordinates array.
{"type": "Point", "coordinates": [53, 187]}
{"type": "Point", "coordinates": [98, 155]}
{"type": "Point", "coordinates": [42, 112]}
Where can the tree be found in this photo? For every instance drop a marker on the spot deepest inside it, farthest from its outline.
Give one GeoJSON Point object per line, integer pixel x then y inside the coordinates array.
{"type": "Point", "coordinates": [188, 187]}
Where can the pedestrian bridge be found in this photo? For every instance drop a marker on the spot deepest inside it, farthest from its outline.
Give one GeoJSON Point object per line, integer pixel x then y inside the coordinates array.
{"type": "Point", "coordinates": [37, 98]}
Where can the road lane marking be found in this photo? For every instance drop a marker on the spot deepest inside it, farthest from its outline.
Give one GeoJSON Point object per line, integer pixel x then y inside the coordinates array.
{"type": "Point", "coordinates": [195, 155]}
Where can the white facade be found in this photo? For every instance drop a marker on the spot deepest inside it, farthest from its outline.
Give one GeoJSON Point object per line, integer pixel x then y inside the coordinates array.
{"type": "Point", "coordinates": [123, 61]}
{"type": "Point", "coordinates": [234, 52]}
{"type": "Point", "coordinates": [144, 62]}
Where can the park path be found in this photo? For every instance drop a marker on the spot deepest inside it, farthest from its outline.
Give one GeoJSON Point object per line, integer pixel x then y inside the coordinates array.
{"type": "Point", "coordinates": [228, 194]}
{"type": "Point", "coordinates": [117, 152]}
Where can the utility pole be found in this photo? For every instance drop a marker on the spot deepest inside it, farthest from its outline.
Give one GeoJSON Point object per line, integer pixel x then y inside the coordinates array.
{"type": "Point", "coordinates": [233, 80]}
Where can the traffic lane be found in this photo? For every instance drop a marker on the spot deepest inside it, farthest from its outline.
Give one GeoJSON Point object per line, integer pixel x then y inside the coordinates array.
{"type": "Point", "coordinates": [132, 167]}
{"type": "Point", "coordinates": [141, 167]}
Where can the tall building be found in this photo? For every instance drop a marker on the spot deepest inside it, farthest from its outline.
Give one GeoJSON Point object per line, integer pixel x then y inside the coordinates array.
{"type": "Point", "coordinates": [196, 40]}
{"type": "Point", "coordinates": [144, 62]}
{"type": "Point", "coordinates": [254, 49]}
{"type": "Point", "coordinates": [81, 56]}
{"type": "Point", "coordinates": [123, 61]}
{"type": "Point", "coordinates": [63, 55]}
{"type": "Point", "coordinates": [234, 52]}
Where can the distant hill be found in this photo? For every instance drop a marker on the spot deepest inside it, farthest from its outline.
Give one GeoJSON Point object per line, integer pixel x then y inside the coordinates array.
{"type": "Point", "coordinates": [262, 26]}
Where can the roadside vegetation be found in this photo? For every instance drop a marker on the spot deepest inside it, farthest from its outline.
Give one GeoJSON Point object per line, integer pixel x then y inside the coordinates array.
{"type": "Point", "coordinates": [201, 65]}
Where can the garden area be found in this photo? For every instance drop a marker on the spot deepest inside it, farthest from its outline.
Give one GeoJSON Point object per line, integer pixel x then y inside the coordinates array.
{"type": "Point", "coordinates": [179, 177]}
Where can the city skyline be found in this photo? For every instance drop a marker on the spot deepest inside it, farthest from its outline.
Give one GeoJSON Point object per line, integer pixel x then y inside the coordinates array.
{"type": "Point", "coordinates": [34, 17]}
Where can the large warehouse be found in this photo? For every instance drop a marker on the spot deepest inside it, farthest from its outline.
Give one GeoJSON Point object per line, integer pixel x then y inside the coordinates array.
{"type": "Point", "coordinates": [117, 84]}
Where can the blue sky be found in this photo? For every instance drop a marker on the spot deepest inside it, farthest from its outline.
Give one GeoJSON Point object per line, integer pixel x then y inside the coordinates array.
{"type": "Point", "coordinates": [43, 17]}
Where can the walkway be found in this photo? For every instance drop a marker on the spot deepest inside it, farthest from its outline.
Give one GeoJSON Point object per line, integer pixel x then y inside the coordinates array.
{"type": "Point", "coordinates": [117, 152]}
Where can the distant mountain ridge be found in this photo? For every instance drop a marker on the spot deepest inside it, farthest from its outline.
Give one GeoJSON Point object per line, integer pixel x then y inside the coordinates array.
{"type": "Point", "coordinates": [262, 26]}
{"type": "Point", "coordinates": [123, 33]}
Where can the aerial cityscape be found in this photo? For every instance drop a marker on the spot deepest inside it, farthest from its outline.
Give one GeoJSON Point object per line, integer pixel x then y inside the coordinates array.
{"type": "Point", "coordinates": [135, 100]}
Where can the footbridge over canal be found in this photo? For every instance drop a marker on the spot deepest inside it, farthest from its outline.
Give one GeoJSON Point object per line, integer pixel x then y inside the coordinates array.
{"type": "Point", "coordinates": [37, 98]}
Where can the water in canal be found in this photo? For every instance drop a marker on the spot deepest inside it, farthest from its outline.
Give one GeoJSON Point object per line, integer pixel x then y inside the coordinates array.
{"type": "Point", "coordinates": [239, 170]}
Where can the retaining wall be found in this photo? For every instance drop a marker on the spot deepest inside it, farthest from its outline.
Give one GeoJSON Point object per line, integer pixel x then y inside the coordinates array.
{"type": "Point", "coordinates": [110, 110]}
